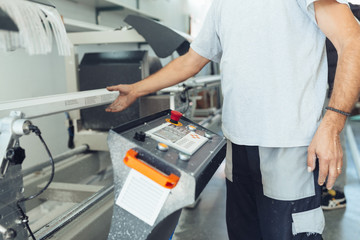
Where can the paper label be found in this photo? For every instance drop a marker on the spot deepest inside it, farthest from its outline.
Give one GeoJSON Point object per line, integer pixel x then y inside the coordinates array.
{"type": "Point", "coordinates": [142, 197]}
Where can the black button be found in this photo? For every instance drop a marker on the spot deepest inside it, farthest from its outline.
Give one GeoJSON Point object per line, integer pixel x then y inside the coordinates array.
{"type": "Point", "coordinates": [140, 136]}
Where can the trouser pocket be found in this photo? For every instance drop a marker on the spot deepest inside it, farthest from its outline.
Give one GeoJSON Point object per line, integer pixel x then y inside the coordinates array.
{"type": "Point", "coordinates": [310, 222]}
{"type": "Point", "coordinates": [284, 173]}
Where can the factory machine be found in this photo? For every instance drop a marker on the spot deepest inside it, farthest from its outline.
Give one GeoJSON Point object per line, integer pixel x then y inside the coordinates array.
{"type": "Point", "coordinates": [65, 187]}
{"type": "Point", "coordinates": [161, 164]}
{"type": "Point", "coordinates": [78, 204]}
{"type": "Point", "coordinates": [84, 193]}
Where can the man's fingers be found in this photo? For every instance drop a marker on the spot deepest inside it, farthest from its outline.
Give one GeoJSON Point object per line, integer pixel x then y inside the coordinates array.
{"type": "Point", "coordinates": [112, 88]}
{"type": "Point", "coordinates": [115, 106]}
{"type": "Point", "coordinates": [110, 108]}
{"type": "Point", "coordinates": [339, 167]}
{"type": "Point", "coordinates": [122, 88]}
{"type": "Point", "coordinates": [114, 109]}
{"type": "Point", "coordinates": [323, 170]}
{"type": "Point", "coordinates": [335, 170]}
{"type": "Point", "coordinates": [311, 160]}
{"type": "Point", "coordinates": [120, 104]}
{"type": "Point", "coordinates": [333, 173]}
{"type": "Point", "coordinates": [331, 178]}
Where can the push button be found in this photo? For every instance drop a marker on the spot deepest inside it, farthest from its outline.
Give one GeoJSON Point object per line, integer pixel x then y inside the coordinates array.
{"type": "Point", "coordinates": [184, 156]}
{"type": "Point", "coordinates": [162, 147]}
{"type": "Point", "coordinates": [175, 117]}
{"type": "Point", "coordinates": [140, 136]}
{"type": "Point", "coordinates": [191, 128]}
{"type": "Point", "coordinates": [209, 135]}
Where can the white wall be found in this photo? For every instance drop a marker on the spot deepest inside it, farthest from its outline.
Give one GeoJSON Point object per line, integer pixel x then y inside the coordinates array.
{"type": "Point", "coordinates": [24, 76]}
{"type": "Point", "coordinates": [171, 12]}
{"type": "Point", "coordinates": [197, 10]}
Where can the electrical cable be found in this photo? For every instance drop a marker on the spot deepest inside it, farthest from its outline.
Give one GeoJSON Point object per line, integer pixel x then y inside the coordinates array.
{"type": "Point", "coordinates": [71, 131]}
{"type": "Point", "coordinates": [25, 219]}
{"type": "Point", "coordinates": [185, 97]}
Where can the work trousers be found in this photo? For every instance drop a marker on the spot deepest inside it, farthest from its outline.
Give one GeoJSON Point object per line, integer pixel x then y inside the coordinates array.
{"type": "Point", "coordinates": [270, 194]}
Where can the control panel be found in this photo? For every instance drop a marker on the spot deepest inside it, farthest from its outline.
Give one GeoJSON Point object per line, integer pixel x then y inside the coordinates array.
{"type": "Point", "coordinates": [183, 138]}
{"type": "Point", "coordinates": [172, 143]}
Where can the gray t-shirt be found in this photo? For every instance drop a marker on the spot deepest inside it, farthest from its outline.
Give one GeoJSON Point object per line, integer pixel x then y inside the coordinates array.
{"type": "Point", "coordinates": [273, 67]}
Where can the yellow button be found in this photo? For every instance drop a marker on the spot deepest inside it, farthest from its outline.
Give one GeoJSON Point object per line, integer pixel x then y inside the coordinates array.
{"type": "Point", "coordinates": [162, 147]}
{"type": "Point", "coordinates": [191, 128]}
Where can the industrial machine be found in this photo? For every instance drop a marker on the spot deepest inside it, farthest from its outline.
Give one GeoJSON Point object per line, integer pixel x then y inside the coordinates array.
{"type": "Point", "coordinates": [14, 223]}
{"type": "Point", "coordinates": [81, 193]}
{"type": "Point", "coordinates": [161, 164]}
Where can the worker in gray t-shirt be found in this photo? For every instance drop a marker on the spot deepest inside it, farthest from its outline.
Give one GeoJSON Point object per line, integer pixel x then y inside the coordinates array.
{"type": "Point", "coordinates": [274, 76]}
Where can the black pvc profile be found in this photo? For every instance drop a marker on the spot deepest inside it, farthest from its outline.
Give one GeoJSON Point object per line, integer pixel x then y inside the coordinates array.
{"type": "Point", "coordinates": [43, 2]}
{"type": "Point", "coordinates": [6, 23]}
{"type": "Point", "coordinates": [163, 40]}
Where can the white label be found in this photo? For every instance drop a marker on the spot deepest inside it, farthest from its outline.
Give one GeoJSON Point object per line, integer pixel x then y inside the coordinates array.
{"type": "Point", "coordinates": [142, 197]}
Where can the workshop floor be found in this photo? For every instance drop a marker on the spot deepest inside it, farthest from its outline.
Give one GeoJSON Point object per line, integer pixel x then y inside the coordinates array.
{"type": "Point", "coordinates": [207, 220]}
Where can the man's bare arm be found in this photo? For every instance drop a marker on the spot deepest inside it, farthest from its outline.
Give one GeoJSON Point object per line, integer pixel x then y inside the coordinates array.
{"type": "Point", "coordinates": [175, 72]}
{"type": "Point", "coordinates": [339, 25]}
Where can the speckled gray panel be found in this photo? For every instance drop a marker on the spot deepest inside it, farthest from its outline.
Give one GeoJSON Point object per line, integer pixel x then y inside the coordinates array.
{"type": "Point", "coordinates": [126, 226]}
{"type": "Point", "coordinates": [11, 190]}
{"type": "Point", "coordinates": [194, 174]}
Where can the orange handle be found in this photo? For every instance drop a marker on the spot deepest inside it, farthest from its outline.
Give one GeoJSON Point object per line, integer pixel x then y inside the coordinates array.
{"type": "Point", "coordinates": [132, 161]}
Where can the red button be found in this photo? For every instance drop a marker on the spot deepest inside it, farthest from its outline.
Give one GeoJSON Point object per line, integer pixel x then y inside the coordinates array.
{"type": "Point", "coordinates": [175, 116]}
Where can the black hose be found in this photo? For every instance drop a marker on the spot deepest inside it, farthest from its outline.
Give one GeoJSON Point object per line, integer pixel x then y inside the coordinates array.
{"type": "Point", "coordinates": [24, 218]}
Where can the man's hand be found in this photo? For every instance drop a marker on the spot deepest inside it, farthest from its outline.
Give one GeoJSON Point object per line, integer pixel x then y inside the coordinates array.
{"type": "Point", "coordinates": [326, 148]}
{"type": "Point", "coordinates": [125, 99]}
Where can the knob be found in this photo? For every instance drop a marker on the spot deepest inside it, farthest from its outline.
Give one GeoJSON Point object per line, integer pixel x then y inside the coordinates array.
{"type": "Point", "coordinates": [16, 155]}
{"type": "Point", "coordinates": [175, 117]}
{"type": "Point", "coordinates": [140, 136]}
{"type": "Point", "coordinates": [162, 147]}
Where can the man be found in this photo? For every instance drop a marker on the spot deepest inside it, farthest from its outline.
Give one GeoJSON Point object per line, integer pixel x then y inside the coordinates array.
{"type": "Point", "coordinates": [274, 76]}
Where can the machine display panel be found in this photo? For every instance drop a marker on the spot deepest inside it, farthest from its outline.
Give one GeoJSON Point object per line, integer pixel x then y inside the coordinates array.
{"type": "Point", "coordinates": [178, 137]}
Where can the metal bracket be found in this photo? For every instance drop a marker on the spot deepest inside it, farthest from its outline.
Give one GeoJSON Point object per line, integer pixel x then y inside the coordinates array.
{"type": "Point", "coordinates": [11, 128]}
{"type": "Point", "coordinates": [98, 11]}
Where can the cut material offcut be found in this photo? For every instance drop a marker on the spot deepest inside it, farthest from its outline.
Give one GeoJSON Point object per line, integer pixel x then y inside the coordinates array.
{"type": "Point", "coordinates": [37, 25]}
